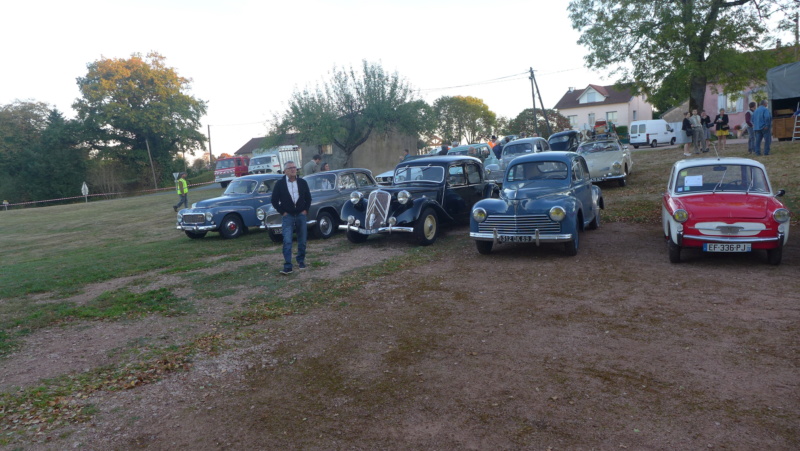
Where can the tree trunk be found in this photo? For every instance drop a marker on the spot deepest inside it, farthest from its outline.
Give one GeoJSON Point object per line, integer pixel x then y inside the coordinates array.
{"type": "Point", "coordinates": [697, 92]}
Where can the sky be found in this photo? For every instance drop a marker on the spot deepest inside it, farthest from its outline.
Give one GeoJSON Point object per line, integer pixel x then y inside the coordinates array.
{"type": "Point", "coordinates": [246, 57]}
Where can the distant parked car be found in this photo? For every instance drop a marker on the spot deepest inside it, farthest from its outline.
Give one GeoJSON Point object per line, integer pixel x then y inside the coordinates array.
{"type": "Point", "coordinates": [608, 159]}
{"type": "Point", "coordinates": [522, 146]}
{"type": "Point", "coordinates": [546, 198]}
{"type": "Point", "coordinates": [233, 212]}
{"type": "Point", "coordinates": [329, 191]}
{"type": "Point", "coordinates": [567, 141]}
{"type": "Point", "coordinates": [482, 150]}
{"type": "Point", "coordinates": [651, 133]}
{"type": "Point", "coordinates": [425, 193]}
{"type": "Point", "coordinates": [723, 205]}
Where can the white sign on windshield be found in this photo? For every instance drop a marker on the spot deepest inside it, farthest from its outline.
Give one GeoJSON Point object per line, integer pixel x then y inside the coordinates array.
{"type": "Point", "coordinates": [693, 180]}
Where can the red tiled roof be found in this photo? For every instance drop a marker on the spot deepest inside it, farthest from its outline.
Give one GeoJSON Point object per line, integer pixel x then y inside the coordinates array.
{"type": "Point", "coordinates": [612, 96]}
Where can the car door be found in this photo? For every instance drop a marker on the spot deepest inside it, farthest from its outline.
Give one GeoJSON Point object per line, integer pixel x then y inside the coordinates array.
{"type": "Point", "coordinates": [582, 187]}
{"type": "Point", "coordinates": [457, 193]}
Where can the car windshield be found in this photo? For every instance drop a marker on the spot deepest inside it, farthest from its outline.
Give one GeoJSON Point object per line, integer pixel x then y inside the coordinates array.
{"type": "Point", "coordinates": [410, 174]}
{"type": "Point", "coordinates": [260, 160]}
{"type": "Point", "coordinates": [517, 149]}
{"type": "Point", "coordinates": [537, 170]}
{"type": "Point", "coordinates": [599, 146]}
{"type": "Point", "coordinates": [559, 142]}
{"type": "Point", "coordinates": [321, 181]}
{"type": "Point", "coordinates": [224, 164]}
{"type": "Point", "coordinates": [721, 178]}
{"type": "Point", "coordinates": [242, 187]}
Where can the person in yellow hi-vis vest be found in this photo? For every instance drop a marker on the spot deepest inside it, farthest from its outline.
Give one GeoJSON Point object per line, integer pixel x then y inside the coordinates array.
{"type": "Point", "coordinates": [183, 191]}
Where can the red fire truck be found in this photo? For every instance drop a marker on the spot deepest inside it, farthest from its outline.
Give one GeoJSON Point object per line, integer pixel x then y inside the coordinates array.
{"type": "Point", "coordinates": [228, 169]}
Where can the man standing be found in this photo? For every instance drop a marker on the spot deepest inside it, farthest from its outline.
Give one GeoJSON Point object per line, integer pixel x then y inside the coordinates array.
{"type": "Point", "coordinates": [698, 137]}
{"type": "Point", "coordinates": [291, 198]}
{"type": "Point", "coordinates": [405, 155]}
{"type": "Point", "coordinates": [183, 192]}
{"type": "Point", "coordinates": [748, 119]}
{"type": "Point", "coordinates": [762, 125]}
{"type": "Point", "coordinates": [312, 166]}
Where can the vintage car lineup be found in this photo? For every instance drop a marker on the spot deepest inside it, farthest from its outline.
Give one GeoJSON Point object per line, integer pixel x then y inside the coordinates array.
{"type": "Point", "coordinates": [534, 194]}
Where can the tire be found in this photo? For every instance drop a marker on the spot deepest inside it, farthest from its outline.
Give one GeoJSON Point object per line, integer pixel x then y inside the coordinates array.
{"type": "Point", "coordinates": [223, 184]}
{"type": "Point", "coordinates": [672, 141]}
{"type": "Point", "coordinates": [654, 144]}
{"type": "Point", "coordinates": [484, 247]}
{"type": "Point", "coordinates": [231, 227]}
{"type": "Point", "coordinates": [774, 256]}
{"type": "Point", "coordinates": [194, 235]}
{"type": "Point", "coordinates": [355, 237]}
{"type": "Point", "coordinates": [325, 226]}
{"type": "Point", "coordinates": [426, 227]}
{"type": "Point", "coordinates": [674, 251]}
{"type": "Point", "coordinates": [595, 224]}
{"type": "Point", "coordinates": [571, 248]}
{"type": "Point", "coordinates": [635, 146]}
{"type": "Point", "coordinates": [275, 237]}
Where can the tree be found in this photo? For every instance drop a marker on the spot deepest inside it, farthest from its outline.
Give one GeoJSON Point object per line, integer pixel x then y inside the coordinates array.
{"type": "Point", "coordinates": [348, 108]}
{"type": "Point", "coordinates": [672, 48]}
{"type": "Point", "coordinates": [524, 123]}
{"type": "Point", "coordinates": [461, 117]}
{"type": "Point", "coordinates": [130, 104]}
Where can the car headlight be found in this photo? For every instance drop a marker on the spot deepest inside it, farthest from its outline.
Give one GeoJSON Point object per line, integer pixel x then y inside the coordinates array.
{"type": "Point", "coordinates": [260, 214]}
{"type": "Point", "coordinates": [479, 214]}
{"type": "Point", "coordinates": [680, 215]}
{"type": "Point", "coordinates": [355, 197]}
{"type": "Point", "coordinates": [781, 215]}
{"type": "Point", "coordinates": [209, 216]}
{"type": "Point", "coordinates": [616, 166]}
{"type": "Point", "coordinates": [403, 197]}
{"type": "Point", "coordinates": [557, 214]}
{"type": "Point", "coordinates": [180, 217]}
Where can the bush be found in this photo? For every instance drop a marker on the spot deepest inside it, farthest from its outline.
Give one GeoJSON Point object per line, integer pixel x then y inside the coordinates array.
{"type": "Point", "coordinates": [622, 130]}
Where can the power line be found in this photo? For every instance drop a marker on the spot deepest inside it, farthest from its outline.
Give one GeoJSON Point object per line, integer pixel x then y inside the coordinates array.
{"type": "Point", "coordinates": [493, 80]}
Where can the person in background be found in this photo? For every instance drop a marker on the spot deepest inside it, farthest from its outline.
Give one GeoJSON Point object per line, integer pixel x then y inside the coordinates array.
{"type": "Point", "coordinates": [762, 125]}
{"type": "Point", "coordinates": [723, 129]}
{"type": "Point", "coordinates": [698, 137]}
{"type": "Point", "coordinates": [324, 167]}
{"type": "Point", "coordinates": [497, 150]}
{"type": "Point", "coordinates": [492, 142]}
{"type": "Point", "coordinates": [443, 150]}
{"type": "Point", "coordinates": [405, 155]}
{"type": "Point", "coordinates": [183, 192]}
{"type": "Point", "coordinates": [748, 119]}
{"type": "Point", "coordinates": [312, 166]}
{"type": "Point", "coordinates": [687, 128]}
{"type": "Point", "coordinates": [291, 198]}
{"type": "Point", "coordinates": [705, 119]}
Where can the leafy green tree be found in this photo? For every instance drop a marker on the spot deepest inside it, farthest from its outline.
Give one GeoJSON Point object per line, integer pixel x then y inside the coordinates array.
{"type": "Point", "coordinates": [130, 104]}
{"type": "Point", "coordinates": [524, 123]}
{"type": "Point", "coordinates": [349, 107]}
{"type": "Point", "coordinates": [463, 118]}
{"type": "Point", "coordinates": [671, 48]}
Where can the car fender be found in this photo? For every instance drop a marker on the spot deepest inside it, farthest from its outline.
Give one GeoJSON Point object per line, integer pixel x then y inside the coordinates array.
{"type": "Point", "coordinates": [357, 211]}
{"type": "Point", "coordinates": [412, 213]}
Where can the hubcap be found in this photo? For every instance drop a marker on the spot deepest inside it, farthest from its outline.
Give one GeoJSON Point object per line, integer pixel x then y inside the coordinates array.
{"type": "Point", "coordinates": [232, 226]}
{"type": "Point", "coordinates": [325, 226]}
{"type": "Point", "coordinates": [430, 227]}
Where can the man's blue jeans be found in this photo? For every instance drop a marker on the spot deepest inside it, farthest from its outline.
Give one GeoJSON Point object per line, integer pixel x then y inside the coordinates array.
{"type": "Point", "coordinates": [766, 135]}
{"type": "Point", "coordinates": [751, 139]}
{"type": "Point", "coordinates": [292, 224]}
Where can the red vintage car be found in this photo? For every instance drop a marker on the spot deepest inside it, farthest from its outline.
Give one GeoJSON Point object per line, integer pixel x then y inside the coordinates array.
{"type": "Point", "coordinates": [723, 205]}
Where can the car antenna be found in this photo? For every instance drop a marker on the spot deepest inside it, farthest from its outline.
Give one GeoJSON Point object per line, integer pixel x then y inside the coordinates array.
{"type": "Point", "coordinates": [716, 153]}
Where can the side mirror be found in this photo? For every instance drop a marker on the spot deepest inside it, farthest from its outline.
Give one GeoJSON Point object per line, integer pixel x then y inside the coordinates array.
{"type": "Point", "coordinates": [780, 193]}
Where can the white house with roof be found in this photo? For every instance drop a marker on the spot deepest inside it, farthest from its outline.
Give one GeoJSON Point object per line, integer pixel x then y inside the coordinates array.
{"type": "Point", "coordinates": [583, 107]}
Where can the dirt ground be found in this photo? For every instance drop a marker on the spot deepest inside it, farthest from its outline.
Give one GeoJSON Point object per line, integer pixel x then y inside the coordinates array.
{"type": "Point", "coordinates": [522, 349]}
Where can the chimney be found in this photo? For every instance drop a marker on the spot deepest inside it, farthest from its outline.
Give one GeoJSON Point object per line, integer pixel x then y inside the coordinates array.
{"type": "Point", "coordinates": [571, 88]}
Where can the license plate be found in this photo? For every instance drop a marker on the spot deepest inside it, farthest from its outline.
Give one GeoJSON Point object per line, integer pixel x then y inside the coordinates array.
{"type": "Point", "coordinates": [725, 247]}
{"type": "Point", "coordinates": [515, 239]}
{"type": "Point", "coordinates": [598, 179]}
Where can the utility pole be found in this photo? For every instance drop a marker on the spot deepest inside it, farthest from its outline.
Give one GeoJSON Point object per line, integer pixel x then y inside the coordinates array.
{"type": "Point", "coordinates": [210, 153]}
{"type": "Point", "coordinates": [544, 111]}
{"type": "Point", "coordinates": [149, 155]}
{"type": "Point", "coordinates": [533, 96]}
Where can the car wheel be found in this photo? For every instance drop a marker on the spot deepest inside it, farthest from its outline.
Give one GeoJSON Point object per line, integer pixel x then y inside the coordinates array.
{"type": "Point", "coordinates": [231, 227]}
{"type": "Point", "coordinates": [484, 247]}
{"type": "Point", "coordinates": [325, 226]}
{"type": "Point", "coordinates": [595, 224]}
{"type": "Point", "coordinates": [674, 251]}
{"type": "Point", "coordinates": [654, 143]}
{"type": "Point", "coordinates": [194, 235]}
{"type": "Point", "coordinates": [275, 237]}
{"type": "Point", "coordinates": [672, 142]}
{"type": "Point", "coordinates": [571, 248]}
{"type": "Point", "coordinates": [774, 256]}
{"type": "Point", "coordinates": [426, 227]}
{"type": "Point", "coordinates": [355, 237]}
{"type": "Point", "coordinates": [223, 184]}
{"type": "Point", "coordinates": [635, 147]}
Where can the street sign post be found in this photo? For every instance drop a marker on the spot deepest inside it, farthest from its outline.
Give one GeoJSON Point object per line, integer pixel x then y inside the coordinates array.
{"type": "Point", "coordinates": [85, 192]}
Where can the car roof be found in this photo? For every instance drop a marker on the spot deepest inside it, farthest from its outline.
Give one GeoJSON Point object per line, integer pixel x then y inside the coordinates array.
{"type": "Point", "coordinates": [683, 164]}
{"type": "Point", "coordinates": [442, 159]}
{"type": "Point", "coordinates": [527, 140]}
{"type": "Point", "coordinates": [260, 177]}
{"type": "Point", "coordinates": [565, 132]}
{"type": "Point", "coordinates": [339, 171]}
{"type": "Point", "coordinates": [556, 155]}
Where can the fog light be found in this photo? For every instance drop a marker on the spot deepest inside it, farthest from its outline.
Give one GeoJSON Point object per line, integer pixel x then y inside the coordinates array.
{"type": "Point", "coordinates": [351, 219]}
{"type": "Point", "coordinates": [392, 221]}
{"type": "Point", "coordinates": [357, 223]}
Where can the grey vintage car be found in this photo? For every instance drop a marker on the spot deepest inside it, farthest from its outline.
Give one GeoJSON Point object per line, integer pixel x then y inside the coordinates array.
{"type": "Point", "coordinates": [329, 191]}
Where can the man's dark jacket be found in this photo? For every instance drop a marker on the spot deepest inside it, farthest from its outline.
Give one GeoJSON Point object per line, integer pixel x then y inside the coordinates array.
{"type": "Point", "coordinates": [282, 198]}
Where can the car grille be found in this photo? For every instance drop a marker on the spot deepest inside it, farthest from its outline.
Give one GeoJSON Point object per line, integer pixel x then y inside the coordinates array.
{"type": "Point", "coordinates": [377, 209]}
{"type": "Point", "coordinates": [519, 225]}
{"type": "Point", "coordinates": [194, 219]}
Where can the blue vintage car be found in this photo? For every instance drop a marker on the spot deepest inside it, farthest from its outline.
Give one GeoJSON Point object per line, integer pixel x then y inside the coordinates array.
{"type": "Point", "coordinates": [546, 198]}
{"type": "Point", "coordinates": [424, 193]}
{"type": "Point", "coordinates": [233, 212]}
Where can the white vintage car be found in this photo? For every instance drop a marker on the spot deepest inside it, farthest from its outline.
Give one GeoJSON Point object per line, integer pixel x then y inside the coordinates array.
{"type": "Point", "coordinates": [608, 159]}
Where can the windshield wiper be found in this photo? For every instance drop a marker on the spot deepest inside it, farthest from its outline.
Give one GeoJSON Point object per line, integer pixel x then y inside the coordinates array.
{"type": "Point", "coordinates": [720, 181]}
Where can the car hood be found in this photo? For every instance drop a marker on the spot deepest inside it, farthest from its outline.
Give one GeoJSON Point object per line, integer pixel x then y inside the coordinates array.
{"type": "Point", "coordinates": [602, 161]}
{"type": "Point", "coordinates": [224, 201]}
{"type": "Point", "coordinates": [533, 192]}
{"type": "Point", "coordinates": [721, 205]}
{"type": "Point", "coordinates": [416, 190]}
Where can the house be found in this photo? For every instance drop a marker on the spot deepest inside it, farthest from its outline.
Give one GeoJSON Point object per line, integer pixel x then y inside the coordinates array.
{"type": "Point", "coordinates": [379, 153]}
{"type": "Point", "coordinates": [583, 107]}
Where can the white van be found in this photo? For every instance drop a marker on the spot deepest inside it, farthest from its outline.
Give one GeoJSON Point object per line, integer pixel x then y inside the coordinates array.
{"type": "Point", "coordinates": [652, 133]}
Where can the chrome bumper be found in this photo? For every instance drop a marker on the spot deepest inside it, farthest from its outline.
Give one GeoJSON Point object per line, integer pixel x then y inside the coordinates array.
{"type": "Point", "coordinates": [609, 177]}
{"type": "Point", "coordinates": [726, 239]}
{"type": "Point", "coordinates": [196, 228]}
{"type": "Point", "coordinates": [387, 229]}
{"type": "Point", "coordinates": [537, 237]}
{"type": "Point", "coordinates": [278, 228]}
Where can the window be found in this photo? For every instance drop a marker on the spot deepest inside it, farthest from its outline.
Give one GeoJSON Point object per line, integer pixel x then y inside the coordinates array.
{"type": "Point", "coordinates": [573, 121]}
{"type": "Point", "coordinates": [634, 115]}
{"type": "Point", "coordinates": [347, 181]}
{"type": "Point", "coordinates": [456, 175]}
{"type": "Point", "coordinates": [591, 120]}
{"type": "Point", "coordinates": [473, 174]}
{"type": "Point", "coordinates": [731, 106]}
{"type": "Point", "coordinates": [327, 149]}
{"type": "Point", "coordinates": [611, 117]}
{"type": "Point", "coordinates": [363, 179]}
